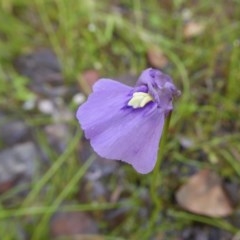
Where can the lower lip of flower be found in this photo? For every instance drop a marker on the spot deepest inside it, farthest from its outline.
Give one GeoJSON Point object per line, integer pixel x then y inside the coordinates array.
{"type": "Point", "coordinates": [139, 100]}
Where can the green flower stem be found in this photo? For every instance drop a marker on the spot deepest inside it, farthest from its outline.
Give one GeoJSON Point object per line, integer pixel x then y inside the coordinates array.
{"type": "Point", "coordinates": [156, 172]}
{"type": "Point", "coordinates": [156, 180]}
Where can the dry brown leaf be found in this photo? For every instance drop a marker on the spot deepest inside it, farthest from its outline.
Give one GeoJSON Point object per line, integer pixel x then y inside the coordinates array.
{"type": "Point", "coordinates": [87, 79]}
{"type": "Point", "coordinates": [204, 194]}
{"type": "Point", "coordinates": [72, 223]}
{"type": "Point", "coordinates": [193, 29]}
{"type": "Point", "coordinates": [88, 237]}
{"type": "Point", "coordinates": [5, 186]}
{"type": "Point", "coordinates": [82, 237]}
{"type": "Point", "coordinates": [156, 57]}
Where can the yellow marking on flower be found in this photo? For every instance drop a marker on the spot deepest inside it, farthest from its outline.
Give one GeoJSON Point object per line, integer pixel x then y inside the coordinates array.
{"type": "Point", "coordinates": [139, 100]}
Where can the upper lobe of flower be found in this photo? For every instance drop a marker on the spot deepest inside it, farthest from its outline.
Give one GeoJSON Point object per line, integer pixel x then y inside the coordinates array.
{"type": "Point", "coordinates": [160, 86]}
{"type": "Point", "coordinates": [125, 123]}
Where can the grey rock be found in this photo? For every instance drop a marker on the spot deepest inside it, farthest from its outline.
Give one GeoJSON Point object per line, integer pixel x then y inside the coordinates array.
{"type": "Point", "coordinates": [58, 136]}
{"type": "Point", "coordinates": [40, 66]}
{"type": "Point", "coordinates": [18, 162]}
{"type": "Point", "coordinates": [43, 69]}
{"type": "Point", "coordinates": [13, 132]}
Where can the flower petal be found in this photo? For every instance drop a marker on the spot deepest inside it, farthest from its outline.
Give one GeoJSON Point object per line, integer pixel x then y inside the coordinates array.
{"type": "Point", "coordinates": [133, 138]}
{"type": "Point", "coordinates": [107, 99]}
{"type": "Point", "coordinates": [119, 132]}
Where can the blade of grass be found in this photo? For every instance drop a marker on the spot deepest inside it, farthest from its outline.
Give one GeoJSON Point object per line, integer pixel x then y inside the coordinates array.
{"type": "Point", "coordinates": [54, 168]}
{"type": "Point", "coordinates": [66, 191]}
{"type": "Point", "coordinates": [216, 222]}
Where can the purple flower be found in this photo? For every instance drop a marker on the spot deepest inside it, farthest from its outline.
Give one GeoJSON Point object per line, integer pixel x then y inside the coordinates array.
{"type": "Point", "coordinates": [125, 123]}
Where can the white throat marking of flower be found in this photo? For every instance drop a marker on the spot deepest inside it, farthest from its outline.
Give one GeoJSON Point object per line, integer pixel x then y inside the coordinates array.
{"type": "Point", "coordinates": [139, 100]}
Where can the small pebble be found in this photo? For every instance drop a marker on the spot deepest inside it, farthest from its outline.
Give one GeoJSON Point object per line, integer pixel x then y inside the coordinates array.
{"type": "Point", "coordinates": [29, 105]}
{"type": "Point", "coordinates": [78, 98]}
{"type": "Point", "coordinates": [46, 106]}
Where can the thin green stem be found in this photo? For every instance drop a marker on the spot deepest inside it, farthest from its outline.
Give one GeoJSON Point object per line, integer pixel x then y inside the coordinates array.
{"type": "Point", "coordinates": [216, 222]}
{"type": "Point", "coordinates": [156, 179]}
{"type": "Point", "coordinates": [156, 171]}
{"type": "Point", "coordinates": [43, 210]}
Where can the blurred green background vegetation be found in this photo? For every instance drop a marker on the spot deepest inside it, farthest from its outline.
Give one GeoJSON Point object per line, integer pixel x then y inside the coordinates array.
{"type": "Point", "coordinates": [199, 44]}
